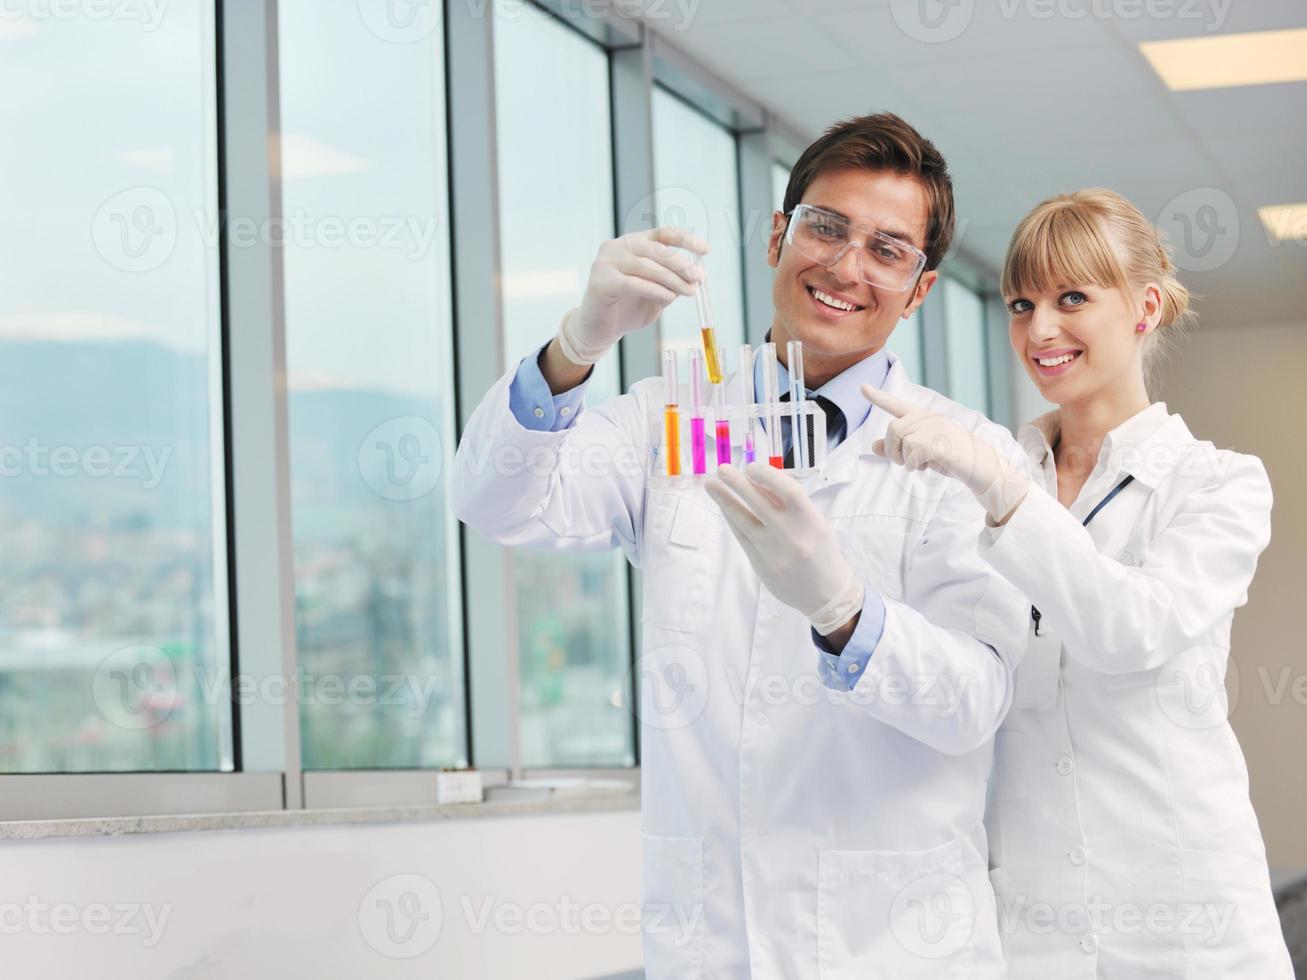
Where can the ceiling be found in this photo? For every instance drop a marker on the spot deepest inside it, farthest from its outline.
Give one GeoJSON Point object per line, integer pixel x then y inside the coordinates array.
{"type": "Point", "coordinates": [1029, 98]}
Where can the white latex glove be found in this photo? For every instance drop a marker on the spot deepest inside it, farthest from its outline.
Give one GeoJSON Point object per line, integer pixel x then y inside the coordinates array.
{"type": "Point", "coordinates": [919, 439]}
{"type": "Point", "coordinates": [788, 542]}
{"type": "Point", "coordinates": [632, 279]}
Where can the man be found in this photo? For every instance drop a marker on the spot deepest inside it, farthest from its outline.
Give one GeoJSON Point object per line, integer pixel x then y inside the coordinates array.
{"type": "Point", "coordinates": [821, 686]}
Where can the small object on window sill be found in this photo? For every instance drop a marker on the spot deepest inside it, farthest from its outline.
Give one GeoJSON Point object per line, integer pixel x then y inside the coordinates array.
{"type": "Point", "coordinates": [458, 786]}
{"type": "Point", "coordinates": [522, 790]}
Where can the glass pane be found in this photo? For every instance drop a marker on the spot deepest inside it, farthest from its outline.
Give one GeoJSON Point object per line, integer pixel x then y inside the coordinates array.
{"type": "Point", "coordinates": [964, 322]}
{"type": "Point", "coordinates": [369, 349]}
{"type": "Point", "coordinates": [113, 605]}
{"type": "Point", "coordinates": [573, 622]}
{"type": "Point", "coordinates": [780, 179]}
{"type": "Point", "coordinates": [905, 344]}
{"type": "Point", "coordinates": [697, 187]}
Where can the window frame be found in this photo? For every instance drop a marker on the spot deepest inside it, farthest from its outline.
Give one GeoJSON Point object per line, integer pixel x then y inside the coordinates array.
{"type": "Point", "coordinates": [266, 738]}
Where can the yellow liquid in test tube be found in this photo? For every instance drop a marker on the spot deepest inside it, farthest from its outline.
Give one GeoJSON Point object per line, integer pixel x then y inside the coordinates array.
{"type": "Point", "coordinates": [710, 357]}
{"type": "Point", "coordinates": [672, 442]}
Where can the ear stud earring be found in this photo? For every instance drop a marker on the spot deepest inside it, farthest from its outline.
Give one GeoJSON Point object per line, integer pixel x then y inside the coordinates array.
{"type": "Point", "coordinates": [1143, 326]}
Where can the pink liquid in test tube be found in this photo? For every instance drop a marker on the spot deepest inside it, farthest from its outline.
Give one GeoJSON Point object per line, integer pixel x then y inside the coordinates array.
{"type": "Point", "coordinates": [723, 425]}
{"type": "Point", "coordinates": [698, 441]}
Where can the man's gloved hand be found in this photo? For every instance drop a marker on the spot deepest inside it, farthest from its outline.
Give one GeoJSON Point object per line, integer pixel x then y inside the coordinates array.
{"type": "Point", "coordinates": [789, 543]}
{"type": "Point", "coordinates": [919, 439]}
{"type": "Point", "coordinates": [632, 280]}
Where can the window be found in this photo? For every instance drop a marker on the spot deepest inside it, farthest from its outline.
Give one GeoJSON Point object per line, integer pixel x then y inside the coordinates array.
{"type": "Point", "coordinates": [114, 617]}
{"type": "Point", "coordinates": [369, 352]}
{"type": "Point", "coordinates": [780, 180]}
{"type": "Point", "coordinates": [968, 369]}
{"type": "Point", "coordinates": [552, 108]}
{"type": "Point", "coordinates": [697, 180]}
{"type": "Point", "coordinates": [905, 344]}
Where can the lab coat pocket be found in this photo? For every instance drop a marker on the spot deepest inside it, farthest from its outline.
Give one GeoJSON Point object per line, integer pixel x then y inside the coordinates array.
{"type": "Point", "coordinates": [680, 536]}
{"type": "Point", "coordinates": [1038, 676]}
{"type": "Point", "coordinates": [907, 915]}
{"type": "Point", "coordinates": [875, 551]}
{"type": "Point", "coordinates": [671, 900]}
{"type": "Point", "coordinates": [1229, 915]}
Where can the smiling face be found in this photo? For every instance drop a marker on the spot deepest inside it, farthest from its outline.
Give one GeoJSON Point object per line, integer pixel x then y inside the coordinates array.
{"type": "Point", "coordinates": [1078, 341]}
{"type": "Point", "coordinates": [839, 318]}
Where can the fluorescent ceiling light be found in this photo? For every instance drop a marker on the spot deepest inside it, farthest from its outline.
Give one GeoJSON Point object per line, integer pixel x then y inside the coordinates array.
{"type": "Point", "coordinates": [1285, 222]}
{"type": "Point", "coordinates": [1230, 60]}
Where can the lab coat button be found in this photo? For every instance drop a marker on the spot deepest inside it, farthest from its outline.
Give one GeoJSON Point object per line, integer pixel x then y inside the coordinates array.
{"type": "Point", "coordinates": [1089, 943]}
{"type": "Point", "coordinates": [1065, 765]}
{"type": "Point", "coordinates": [1078, 856]}
{"type": "Point", "coordinates": [763, 721]}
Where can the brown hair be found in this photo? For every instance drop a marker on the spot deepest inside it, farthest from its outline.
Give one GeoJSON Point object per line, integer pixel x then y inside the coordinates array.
{"type": "Point", "coordinates": [882, 141]}
{"type": "Point", "coordinates": [1097, 237]}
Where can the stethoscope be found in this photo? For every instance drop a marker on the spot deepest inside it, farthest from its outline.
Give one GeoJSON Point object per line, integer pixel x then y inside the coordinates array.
{"type": "Point", "coordinates": [1035, 617]}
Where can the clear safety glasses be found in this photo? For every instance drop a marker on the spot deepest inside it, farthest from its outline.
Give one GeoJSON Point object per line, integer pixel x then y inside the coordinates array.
{"type": "Point", "coordinates": [883, 261]}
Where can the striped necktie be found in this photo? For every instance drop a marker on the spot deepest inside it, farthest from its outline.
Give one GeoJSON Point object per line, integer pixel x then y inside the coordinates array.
{"type": "Point", "coordinates": [835, 424]}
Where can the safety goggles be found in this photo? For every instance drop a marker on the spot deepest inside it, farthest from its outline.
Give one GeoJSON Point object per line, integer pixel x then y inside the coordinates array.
{"type": "Point", "coordinates": [883, 261]}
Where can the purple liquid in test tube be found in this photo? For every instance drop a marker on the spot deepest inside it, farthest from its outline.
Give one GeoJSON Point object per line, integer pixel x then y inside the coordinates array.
{"type": "Point", "coordinates": [746, 387]}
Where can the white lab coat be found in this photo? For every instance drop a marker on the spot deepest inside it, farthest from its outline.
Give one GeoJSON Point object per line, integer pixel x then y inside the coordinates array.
{"type": "Point", "coordinates": [1123, 842]}
{"type": "Point", "coordinates": [789, 830]}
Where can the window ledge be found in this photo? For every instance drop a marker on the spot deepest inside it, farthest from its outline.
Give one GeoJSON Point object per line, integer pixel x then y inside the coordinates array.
{"type": "Point", "coordinates": [598, 801]}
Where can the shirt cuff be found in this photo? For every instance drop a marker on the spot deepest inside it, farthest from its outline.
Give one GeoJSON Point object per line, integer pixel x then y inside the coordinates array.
{"type": "Point", "coordinates": [841, 671]}
{"type": "Point", "coordinates": [532, 403]}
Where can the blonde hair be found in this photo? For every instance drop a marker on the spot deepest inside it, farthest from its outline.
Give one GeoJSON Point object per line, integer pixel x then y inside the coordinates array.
{"type": "Point", "coordinates": [1097, 237]}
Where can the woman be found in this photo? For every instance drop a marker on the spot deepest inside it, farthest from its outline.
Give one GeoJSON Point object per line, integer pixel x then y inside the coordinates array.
{"type": "Point", "coordinates": [1123, 842]}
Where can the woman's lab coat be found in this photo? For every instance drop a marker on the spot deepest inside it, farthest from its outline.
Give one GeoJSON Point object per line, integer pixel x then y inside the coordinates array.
{"type": "Point", "coordinates": [789, 829]}
{"type": "Point", "coordinates": [1123, 843]}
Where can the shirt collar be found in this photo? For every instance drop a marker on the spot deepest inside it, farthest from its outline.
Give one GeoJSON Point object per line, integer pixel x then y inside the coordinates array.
{"type": "Point", "coordinates": [1146, 445]}
{"type": "Point", "coordinates": [844, 390]}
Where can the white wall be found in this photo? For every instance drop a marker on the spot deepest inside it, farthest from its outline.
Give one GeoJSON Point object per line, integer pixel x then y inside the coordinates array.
{"type": "Point", "coordinates": [255, 904]}
{"type": "Point", "coordinates": [1245, 388]}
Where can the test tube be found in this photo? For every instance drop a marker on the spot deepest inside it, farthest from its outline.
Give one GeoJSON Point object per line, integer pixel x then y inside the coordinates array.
{"type": "Point", "coordinates": [723, 421]}
{"type": "Point", "coordinates": [706, 331]}
{"type": "Point", "coordinates": [698, 444]}
{"type": "Point", "coordinates": [747, 396]}
{"type": "Point", "coordinates": [771, 405]}
{"type": "Point", "coordinates": [799, 427]}
{"type": "Point", "coordinates": [671, 415]}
